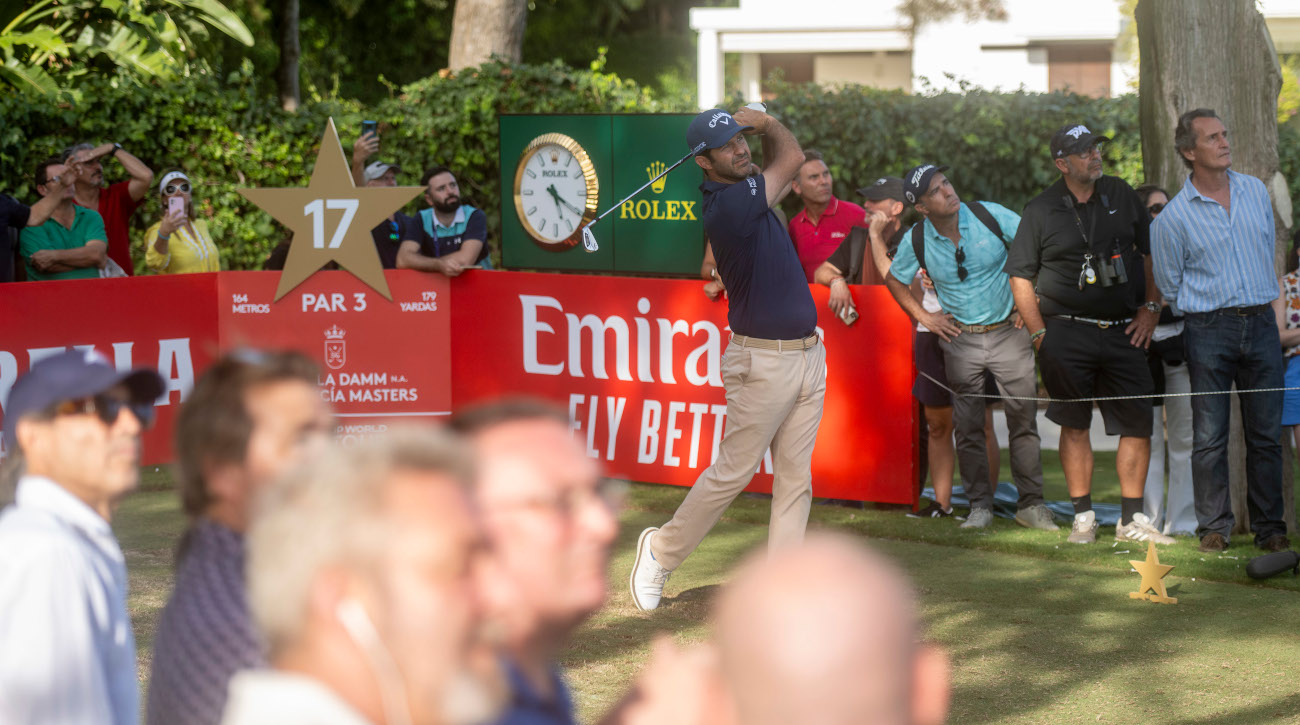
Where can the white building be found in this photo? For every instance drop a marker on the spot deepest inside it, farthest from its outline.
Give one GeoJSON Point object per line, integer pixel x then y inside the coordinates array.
{"type": "Point", "coordinates": [1041, 46]}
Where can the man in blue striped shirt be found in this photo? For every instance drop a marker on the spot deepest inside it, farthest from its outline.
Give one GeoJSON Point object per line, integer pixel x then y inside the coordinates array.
{"type": "Point", "coordinates": [1213, 253]}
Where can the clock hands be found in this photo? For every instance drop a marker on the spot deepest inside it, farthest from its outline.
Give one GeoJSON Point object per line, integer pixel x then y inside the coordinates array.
{"type": "Point", "coordinates": [558, 201]}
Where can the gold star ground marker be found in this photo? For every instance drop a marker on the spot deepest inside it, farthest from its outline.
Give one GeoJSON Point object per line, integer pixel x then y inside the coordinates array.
{"type": "Point", "coordinates": [1153, 574]}
{"type": "Point", "coordinates": [331, 219]}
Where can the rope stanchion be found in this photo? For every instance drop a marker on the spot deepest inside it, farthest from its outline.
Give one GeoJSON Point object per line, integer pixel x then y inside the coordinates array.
{"type": "Point", "coordinates": [1146, 396]}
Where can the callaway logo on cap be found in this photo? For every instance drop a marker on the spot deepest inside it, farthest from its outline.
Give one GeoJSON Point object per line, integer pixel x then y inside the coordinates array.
{"type": "Point", "coordinates": [722, 116]}
{"type": "Point", "coordinates": [712, 129]}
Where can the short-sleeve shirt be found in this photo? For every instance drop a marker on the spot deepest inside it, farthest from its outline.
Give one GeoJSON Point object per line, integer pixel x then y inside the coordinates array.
{"type": "Point", "coordinates": [86, 227]}
{"type": "Point", "coordinates": [116, 207]}
{"type": "Point", "coordinates": [815, 242]}
{"type": "Point", "coordinates": [984, 297]}
{"type": "Point", "coordinates": [186, 253]}
{"type": "Point", "coordinates": [469, 223]}
{"type": "Point", "coordinates": [1050, 247]}
{"type": "Point", "coordinates": [865, 267]}
{"type": "Point", "coordinates": [13, 215]}
{"type": "Point", "coordinates": [389, 235]}
{"type": "Point", "coordinates": [766, 287]}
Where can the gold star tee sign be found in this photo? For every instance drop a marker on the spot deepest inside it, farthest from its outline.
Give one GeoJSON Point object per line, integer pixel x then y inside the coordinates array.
{"type": "Point", "coordinates": [331, 219]}
{"type": "Point", "coordinates": [1153, 574]}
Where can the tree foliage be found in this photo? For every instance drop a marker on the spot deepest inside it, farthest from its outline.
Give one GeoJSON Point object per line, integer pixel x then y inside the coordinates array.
{"type": "Point", "coordinates": [54, 45]}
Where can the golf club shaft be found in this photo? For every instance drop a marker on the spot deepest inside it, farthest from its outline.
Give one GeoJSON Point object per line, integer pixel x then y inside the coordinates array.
{"type": "Point", "coordinates": [643, 186]}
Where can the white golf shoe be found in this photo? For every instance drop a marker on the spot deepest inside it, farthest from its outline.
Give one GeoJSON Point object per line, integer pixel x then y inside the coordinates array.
{"type": "Point", "coordinates": [648, 578]}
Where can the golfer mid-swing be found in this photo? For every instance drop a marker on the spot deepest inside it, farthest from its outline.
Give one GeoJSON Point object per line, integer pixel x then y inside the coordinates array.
{"type": "Point", "coordinates": [774, 369]}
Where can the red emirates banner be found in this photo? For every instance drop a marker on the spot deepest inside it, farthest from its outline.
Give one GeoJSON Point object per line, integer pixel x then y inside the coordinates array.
{"type": "Point", "coordinates": [170, 322]}
{"type": "Point", "coordinates": [637, 364]}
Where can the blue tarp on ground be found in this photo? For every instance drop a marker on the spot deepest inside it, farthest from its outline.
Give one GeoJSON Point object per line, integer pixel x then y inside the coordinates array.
{"type": "Point", "coordinates": [1005, 498]}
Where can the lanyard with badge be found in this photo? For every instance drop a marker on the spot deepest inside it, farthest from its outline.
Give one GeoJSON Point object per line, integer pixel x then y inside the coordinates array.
{"type": "Point", "coordinates": [1112, 269]}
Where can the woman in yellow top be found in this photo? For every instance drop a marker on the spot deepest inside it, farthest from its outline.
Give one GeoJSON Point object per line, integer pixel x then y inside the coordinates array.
{"type": "Point", "coordinates": [179, 243]}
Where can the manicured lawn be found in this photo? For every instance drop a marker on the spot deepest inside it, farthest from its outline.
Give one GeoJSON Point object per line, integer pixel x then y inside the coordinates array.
{"type": "Point", "coordinates": [1039, 631]}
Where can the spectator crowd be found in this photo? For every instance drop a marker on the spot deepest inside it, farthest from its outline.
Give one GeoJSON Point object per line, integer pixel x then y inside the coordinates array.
{"type": "Point", "coordinates": [81, 226]}
{"type": "Point", "coordinates": [437, 575]}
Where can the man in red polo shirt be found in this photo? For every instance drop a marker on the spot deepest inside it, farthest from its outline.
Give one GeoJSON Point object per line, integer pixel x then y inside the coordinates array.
{"type": "Point", "coordinates": [116, 202]}
{"type": "Point", "coordinates": [825, 221]}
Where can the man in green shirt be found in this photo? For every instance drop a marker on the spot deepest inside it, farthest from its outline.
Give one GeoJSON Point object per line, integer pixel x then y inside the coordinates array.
{"type": "Point", "coordinates": [71, 243]}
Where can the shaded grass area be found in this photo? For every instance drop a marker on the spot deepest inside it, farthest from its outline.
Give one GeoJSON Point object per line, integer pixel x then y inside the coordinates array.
{"type": "Point", "coordinates": [1039, 631]}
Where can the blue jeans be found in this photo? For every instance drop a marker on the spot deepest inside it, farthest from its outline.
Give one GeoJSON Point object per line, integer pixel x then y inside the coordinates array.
{"type": "Point", "coordinates": [1224, 347]}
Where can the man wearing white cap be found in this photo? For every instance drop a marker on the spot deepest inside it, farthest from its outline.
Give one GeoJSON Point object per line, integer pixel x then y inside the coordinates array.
{"type": "Point", "coordinates": [388, 235]}
{"type": "Point", "coordinates": [68, 653]}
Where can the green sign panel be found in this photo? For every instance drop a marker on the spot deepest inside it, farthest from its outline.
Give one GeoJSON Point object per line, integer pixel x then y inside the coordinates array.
{"type": "Point", "coordinates": [656, 232]}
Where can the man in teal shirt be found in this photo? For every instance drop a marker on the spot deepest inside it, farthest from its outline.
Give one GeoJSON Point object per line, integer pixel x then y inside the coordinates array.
{"type": "Point", "coordinates": [71, 243]}
{"type": "Point", "coordinates": [963, 248]}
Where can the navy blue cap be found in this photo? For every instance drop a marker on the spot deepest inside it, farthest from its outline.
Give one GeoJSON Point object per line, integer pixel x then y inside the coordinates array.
{"type": "Point", "coordinates": [1074, 138]}
{"type": "Point", "coordinates": [70, 376]}
{"type": "Point", "coordinates": [917, 181]}
{"type": "Point", "coordinates": [712, 129]}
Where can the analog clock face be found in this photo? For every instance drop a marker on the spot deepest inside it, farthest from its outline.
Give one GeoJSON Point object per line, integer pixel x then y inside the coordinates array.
{"type": "Point", "coordinates": [555, 190]}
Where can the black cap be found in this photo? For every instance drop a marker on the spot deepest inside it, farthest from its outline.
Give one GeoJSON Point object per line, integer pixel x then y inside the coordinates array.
{"type": "Point", "coordinates": [70, 376]}
{"type": "Point", "coordinates": [886, 187]}
{"type": "Point", "coordinates": [712, 129]}
{"type": "Point", "coordinates": [917, 181]}
{"type": "Point", "coordinates": [1074, 138]}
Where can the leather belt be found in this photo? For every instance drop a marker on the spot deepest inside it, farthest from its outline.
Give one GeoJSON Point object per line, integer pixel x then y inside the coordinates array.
{"type": "Point", "coordinates": [983, 328]}
{"type": "Point", "coordinates": [1103, 324]}
{"type": "Point", "coordinates": [778, 345]}
{"type": "Point", "coordinates": [1244, 311]}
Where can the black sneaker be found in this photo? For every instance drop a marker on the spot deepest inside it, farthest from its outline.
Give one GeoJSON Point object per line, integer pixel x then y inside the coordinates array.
{"type": "Point", "coordinates": [933, 511]}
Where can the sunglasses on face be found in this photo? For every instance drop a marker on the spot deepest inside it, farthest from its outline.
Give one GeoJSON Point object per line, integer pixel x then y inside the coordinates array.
{"type": "Point", "coordinates": [1156, 209]}
{"type": "Point", "coordinates": [183, 187]}
{"type": "Point", "coordinates": [107, 408]}
{"type": "Point", "coordinates": [961, 269]}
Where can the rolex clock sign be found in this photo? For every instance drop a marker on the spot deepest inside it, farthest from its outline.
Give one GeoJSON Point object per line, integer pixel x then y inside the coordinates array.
{"type": "Point", "coordinates": [558, 172]}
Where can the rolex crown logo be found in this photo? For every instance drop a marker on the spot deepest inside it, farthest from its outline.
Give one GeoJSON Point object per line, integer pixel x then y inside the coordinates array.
{"type": "Point", "coordinates": [655, 169]}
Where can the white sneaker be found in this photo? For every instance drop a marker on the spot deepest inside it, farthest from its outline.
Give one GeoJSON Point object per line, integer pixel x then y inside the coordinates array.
{"type": "Point", "coordinates": [1140, 529]}
{"type": "Point", "coordinates": [1084, 530]}
{"type": "Point", "coordinates": [648, 578]}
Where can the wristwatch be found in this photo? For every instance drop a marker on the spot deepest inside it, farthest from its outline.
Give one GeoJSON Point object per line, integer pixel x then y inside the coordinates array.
{"type": "Point", "coordinates": [1153, 307]}
{"type": "Point", "coordinates": [116, 147]}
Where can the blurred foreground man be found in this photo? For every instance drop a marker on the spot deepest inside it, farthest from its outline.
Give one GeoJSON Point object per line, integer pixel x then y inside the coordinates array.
{"type": "Point", "coordinates": [550, 526]}
{"type": "Point", "coordinates": [249, 417]}
{"type": "Point", "coordinates": [362, 576]}
{"type": "Point", "coordinates": [827, 633]}
{"type": "Point", "coordinates": [67, 653]}
{"type": "Point", "coordinates": [774, 368]}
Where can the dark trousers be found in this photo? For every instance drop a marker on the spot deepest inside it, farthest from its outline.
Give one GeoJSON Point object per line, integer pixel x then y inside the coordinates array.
{"type": "Point", "coordinates": [1224, 347]}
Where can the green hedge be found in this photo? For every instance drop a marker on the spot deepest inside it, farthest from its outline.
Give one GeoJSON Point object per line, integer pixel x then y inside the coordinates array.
{"type": "Point", "coordinates": [227, 137]}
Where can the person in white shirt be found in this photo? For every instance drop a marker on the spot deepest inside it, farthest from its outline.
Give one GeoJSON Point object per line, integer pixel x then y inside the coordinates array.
{"type": "Point", "coordinates": [72, 431]}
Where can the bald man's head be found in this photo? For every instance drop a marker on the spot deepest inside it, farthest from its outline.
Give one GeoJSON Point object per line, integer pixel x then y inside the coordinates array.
{"type": "Point", "coordinates": [826, 634]}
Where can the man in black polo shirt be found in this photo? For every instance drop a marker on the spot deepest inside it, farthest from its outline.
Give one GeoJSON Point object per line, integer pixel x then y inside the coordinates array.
{"type": "Point", "coordinates": [1085, 240]}
{"type": "Point", "coordinates": [774, 369]}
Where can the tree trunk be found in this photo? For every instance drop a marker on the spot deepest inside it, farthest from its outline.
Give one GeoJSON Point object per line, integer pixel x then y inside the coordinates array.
{"type": "Point", "coordinates": [1215, 54]}
{"type": "Point", "coordinates": [286, 73]}
{"type": "Point", "coordinates": [481, 29]}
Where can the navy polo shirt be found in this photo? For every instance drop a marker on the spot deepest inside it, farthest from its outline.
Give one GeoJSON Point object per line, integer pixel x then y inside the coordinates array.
{"type": "Point", "coordinates": [766, 287]}
{"type": "Point", "coordinates": [388, 237]}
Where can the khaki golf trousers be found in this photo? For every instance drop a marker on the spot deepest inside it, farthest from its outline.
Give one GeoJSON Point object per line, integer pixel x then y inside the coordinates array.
{"type": "Point", "coordinates": [774, 397]}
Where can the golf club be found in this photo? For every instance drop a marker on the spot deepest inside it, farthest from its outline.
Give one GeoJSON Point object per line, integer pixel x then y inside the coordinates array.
{"type": "Point", "coordinates": [589, 239]}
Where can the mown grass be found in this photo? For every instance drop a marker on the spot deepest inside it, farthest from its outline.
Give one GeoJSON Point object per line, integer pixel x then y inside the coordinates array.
{"type": "Point", "coordinates": [1039, 631]}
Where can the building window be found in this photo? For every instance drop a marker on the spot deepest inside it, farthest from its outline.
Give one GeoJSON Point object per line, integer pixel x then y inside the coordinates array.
{"type": "Point", "coordinates": [1083, 69]}
{"type": "Point", "coordinates": [795, 67]}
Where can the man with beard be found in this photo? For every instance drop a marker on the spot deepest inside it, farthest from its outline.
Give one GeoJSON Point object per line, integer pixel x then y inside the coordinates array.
{"type": "Point", "coordinates": [455, 234]}
{"type": "Point", "coordinates": [71, 243]}
{"type": "Point", "coordinates": [550, 524]}
{"type": "Point", "coordinates": [114, 202]}
{"type": "Point", "coordinates": [774, 368]}
{"type": "Point", "coordinates": [1081, 259]}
